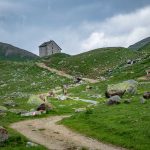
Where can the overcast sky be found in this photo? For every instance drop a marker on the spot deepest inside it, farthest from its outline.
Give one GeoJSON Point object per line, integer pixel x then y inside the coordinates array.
{"type": "Point", "coordinates": [75, 25]}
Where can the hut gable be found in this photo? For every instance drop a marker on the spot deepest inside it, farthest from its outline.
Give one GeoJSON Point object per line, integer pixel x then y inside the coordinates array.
{"type": "Point", "coordinates": [49, 48]}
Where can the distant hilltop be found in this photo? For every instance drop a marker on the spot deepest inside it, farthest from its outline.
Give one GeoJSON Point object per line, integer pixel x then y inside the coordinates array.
{"type": "Point", "coordinates": [140, 44]}
{"type": "Point", "coordinates": [10, 52]}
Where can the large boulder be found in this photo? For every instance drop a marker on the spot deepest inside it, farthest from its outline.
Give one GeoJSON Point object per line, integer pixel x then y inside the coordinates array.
{"type": "Point", "coordinates": [114, 100]}
{"type": "Point", "coordinates": [129, 86]}
{"type": "Point", "coordinates": [3, 134]}
{"type": "Point", "coordinates": [146, 95]}
{"type": "Point", "coordinates": [35, 100]}
{"type": "Point", "coordinates": [44, 107]}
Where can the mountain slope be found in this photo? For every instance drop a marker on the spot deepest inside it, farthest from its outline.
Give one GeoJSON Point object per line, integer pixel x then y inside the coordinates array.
{"type": "Point", "coordinates": [10, 52]}
{"type": "Point", "coordinates": [145, 48]}
{"type": "Point", "coordinates": [93, 63]}
{"type": "Point", "coordinates": [139, 44]}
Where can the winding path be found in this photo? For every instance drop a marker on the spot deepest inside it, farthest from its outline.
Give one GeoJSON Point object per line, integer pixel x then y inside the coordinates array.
{"type": "Point", "coordinates": [61, 73]}
{"type": "Point", "coordinates": [53, 136]}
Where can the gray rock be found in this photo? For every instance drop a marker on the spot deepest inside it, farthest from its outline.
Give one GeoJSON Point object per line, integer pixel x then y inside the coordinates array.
{"type": "Point", "coordinates": [32, 113]}
{"type": "Point", "coordinates": [37, 100]}
{"type": "Point", "coordinates": [142, 100]}
{"type": "Point", "coordinates": [17, 111]}
{"type": "Point", "coordinates": [114, 100]}
{"type": "Point", "coordinates": [146, 95]}
{"type": "Point", "coordinates": [3, 109]}
{"type": "Point", "coordinates": [2, 114]}
{"type": "Point", "coordinates": [31, 144]}
{"type": "Point", "coordinates": [10, 103]}
{"type": "Point", "coordinates": [129, 86]}
{"type": "Point", "coordinates": [80, 110]}
{"type": "Point", "coordinates": [3, 134]}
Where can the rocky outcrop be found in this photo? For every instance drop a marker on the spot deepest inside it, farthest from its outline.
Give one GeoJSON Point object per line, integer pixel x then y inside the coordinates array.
{"type": "Point", "coordinates": [129, 86]}
{"type": "Point", "coordinates": [3, 134]}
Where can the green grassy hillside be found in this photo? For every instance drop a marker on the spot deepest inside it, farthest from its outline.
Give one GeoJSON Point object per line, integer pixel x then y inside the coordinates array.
{"type": "Point", "coordinates": [145, 48]}
{"type": "Point", "coordinates": [18, 80]}
{"type": "Point", "coordinates": [126, 125]}
{"type": "Point", "coordinates": [21, 78]}
{"type": "Point", "coordinates": [93, 63]}
{"type": "Point", "coordinates": [55, 58]}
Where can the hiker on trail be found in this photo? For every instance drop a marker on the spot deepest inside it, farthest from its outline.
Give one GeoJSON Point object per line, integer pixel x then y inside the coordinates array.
{"type": "Point", "coordinates": [64, 89]}
{"type": "Point", "coordinates": [78, 79]}
{"type": "Point", "coordinates": [51, 94]}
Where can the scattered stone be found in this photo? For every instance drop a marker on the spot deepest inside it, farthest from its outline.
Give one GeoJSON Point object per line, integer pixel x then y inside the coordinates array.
{"type": "Point", "coordinates": [3, 109]}
{"type": "Point", "coordinates": [142, 100]}
{"type": "Point", "coordinates": [18, 111]}
{"type": "Point", "coordinates": [3, 134]}
{"type": "Point", "coordinates": [78, 80]}
{"type": "Point", "coordinates": [62, 97]}
{"type": "Point", "coordinates": [80, 110]}
{"type": "Point", "coordinates": [102, 78]}
{"type": "Point", "coordinates": [146, 95]}
{"type": "Point", "coordinates": [130, 62]}
{"type": "Point", "coordinates": [56, 132]}
{"type": "Point", "coordinates": [10, 103]}
{"type": "Point", "coordinates": [44, 107]}
{"type": "Point", "coordinates": [51, 94]}
{"type": "Point", "coordinates": [96, 96]}
{"type": "Point", "coordinates": [3, 114]}
{"type": "Point", "coordinates": [127, 101]}
{"type": "Point", "coordinates": [31, 144]}
{"type": "Point", "coordinates": [32, 113]}
{"type": "Point", "coordinates": [84, 100]}
{"type": "Point", "coordinates": [148, 73]}
{"type": "Point", "coordinates": [114, 100]}
{"type": "Point", "coordinates": [89, 87]}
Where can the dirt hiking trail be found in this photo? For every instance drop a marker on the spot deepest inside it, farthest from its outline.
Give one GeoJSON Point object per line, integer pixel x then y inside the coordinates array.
{"type": "Point", "coordinates": [48, 133]}
{"type": "Point", "coordinates": [61, 73]}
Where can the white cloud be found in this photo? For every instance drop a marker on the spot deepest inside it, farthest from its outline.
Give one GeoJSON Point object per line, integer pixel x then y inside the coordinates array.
{"type": "Point", "coordinates": [120, 30]}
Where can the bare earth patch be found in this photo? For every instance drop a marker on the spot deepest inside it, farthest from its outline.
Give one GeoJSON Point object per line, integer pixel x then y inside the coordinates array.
{"type": "Point", "coordinates": [61, 73]}
{"type": "Point", "coordinates": [47, 132]}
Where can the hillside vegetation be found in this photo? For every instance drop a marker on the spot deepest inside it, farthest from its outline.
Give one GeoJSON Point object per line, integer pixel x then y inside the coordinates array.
{"type": "Point", "coordinates": [145, 48]}
{"type": "Point", "coordinates": [19, 80]}
{"type": "Point", "coordinates": [10, 52]}
{"type": "Point", "coordinates": [25, 78]}
{"type": "Point", "coordinates": [126, 125]}
{"type": "Point", "coordinates": [140, 44]}
{"type": "Point", "coordinates": [93, 63]}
